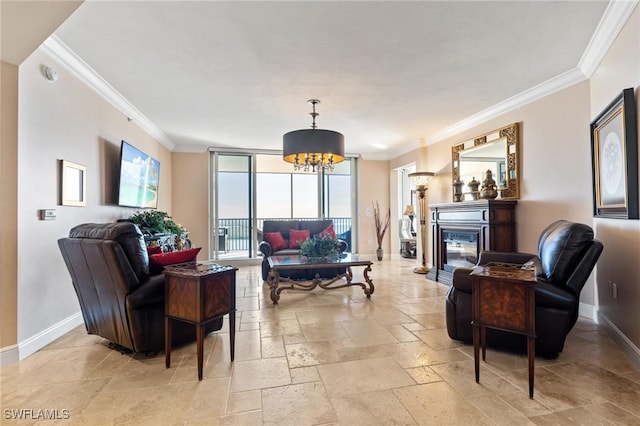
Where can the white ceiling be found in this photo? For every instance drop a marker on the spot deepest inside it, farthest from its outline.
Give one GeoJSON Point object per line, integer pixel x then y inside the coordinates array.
{"type": "Point", "coordinates": [388, 73]}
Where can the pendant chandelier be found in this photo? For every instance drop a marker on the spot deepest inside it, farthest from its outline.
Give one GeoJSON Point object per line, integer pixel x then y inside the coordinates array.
{"type": "Point", "coordinates": [313, 149]}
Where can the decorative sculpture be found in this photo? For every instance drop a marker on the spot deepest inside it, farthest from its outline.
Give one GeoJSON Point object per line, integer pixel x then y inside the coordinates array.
{"type": "Point", "coordinates": [489, 189]}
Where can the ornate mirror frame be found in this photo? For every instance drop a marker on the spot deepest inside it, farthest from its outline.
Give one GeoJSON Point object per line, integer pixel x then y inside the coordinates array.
{"type": "Point", "coordinates": [512, 135]}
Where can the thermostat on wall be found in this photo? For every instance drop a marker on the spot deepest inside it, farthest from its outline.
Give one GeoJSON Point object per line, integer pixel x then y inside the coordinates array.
{"type": "Point", "coordinates": [47, 214]}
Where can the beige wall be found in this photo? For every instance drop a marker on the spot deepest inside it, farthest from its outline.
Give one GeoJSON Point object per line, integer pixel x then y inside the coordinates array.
{"type": "Point", "coordinates": [555, 162]}
{"type": "Point", "coordinates": [373, 185]}
{"type": "Point", "coordinates": [619, 264]}
{"type": "Point", "coordinates": [8, 204]}
{"type": "Point", "coordinates": [65, 120]}
{"type": "Point", "coordinates": [555, 165]}
{"type": "Point", "coordinates": [191, 200]}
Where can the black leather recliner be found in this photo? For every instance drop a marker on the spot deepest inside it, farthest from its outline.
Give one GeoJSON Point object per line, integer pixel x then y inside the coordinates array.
{"type": "Point", "coordinates": [119, 300]}
{"type": "Point", "coordinates": [567, 253]}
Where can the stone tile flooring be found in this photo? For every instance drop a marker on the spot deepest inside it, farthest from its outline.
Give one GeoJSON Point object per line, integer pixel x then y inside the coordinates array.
{"type": "Point", "coordinates": [328, 358]}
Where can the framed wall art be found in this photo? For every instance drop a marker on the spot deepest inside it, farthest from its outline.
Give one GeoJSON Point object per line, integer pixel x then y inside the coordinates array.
{"type": "Point", "coordinates": [74, 184]}
{"type": "Point", "coordinates": [614, 158]}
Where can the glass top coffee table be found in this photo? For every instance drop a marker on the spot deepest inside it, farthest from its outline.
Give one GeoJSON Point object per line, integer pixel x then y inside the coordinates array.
{"type": "Point", "coordinates": [295, 262]}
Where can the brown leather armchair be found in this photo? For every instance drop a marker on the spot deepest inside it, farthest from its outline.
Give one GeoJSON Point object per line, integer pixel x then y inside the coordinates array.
{"type": "Point", "coordinates": [567, 253]}
{"type": "Point", "coordinates": [119, 300]}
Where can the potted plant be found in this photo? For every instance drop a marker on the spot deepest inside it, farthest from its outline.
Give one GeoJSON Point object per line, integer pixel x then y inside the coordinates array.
{"type": "Point", "coordinates": [155, 223]}
{"type": "Point", "coordinates": [381, 227]}
{"type": "Point", "coordinates": [320, 247]}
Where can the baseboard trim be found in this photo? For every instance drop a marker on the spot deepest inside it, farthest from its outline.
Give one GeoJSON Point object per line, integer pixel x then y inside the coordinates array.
{"type": "Point", "coordinates": [627, 346]}
{"type": "Point", "coordinates": [42, 339]}
{"type": "Point", "coordinates": [588, 311]}
{"type": "Point", "coordinates": [9, 355]}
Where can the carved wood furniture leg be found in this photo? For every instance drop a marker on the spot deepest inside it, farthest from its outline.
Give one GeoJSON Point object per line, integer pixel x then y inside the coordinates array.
{"type": "Point", "coordinates": [483, 341]}
{"type": "Point", "coordinates": [232, 333]}
{"type": "Point", "coordinates": [349, 274]}
{"type": "Point", "coordinates": [167, 342]}
{"type": "Point", "coordinates": [200, 347]}
{"type": "Point", "coordinates": [273, 280]}
{"type": "Point", "coordinates": [476, 350]}
{"type": "Point", "coordinates": [368, 281]}
{"type": "Point", "coordinates": [531, 354]}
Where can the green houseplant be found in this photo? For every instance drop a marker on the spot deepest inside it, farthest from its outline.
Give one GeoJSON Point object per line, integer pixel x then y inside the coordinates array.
{"type": "Point", "coordinates": [159, 229]}
{"type": "Point", "coordinates": [320, 247]}
{"type": "Point", "coordinates": [153, 222]}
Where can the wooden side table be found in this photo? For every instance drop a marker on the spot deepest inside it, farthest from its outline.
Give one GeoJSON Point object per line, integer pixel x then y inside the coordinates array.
{"type": "Point", "coordinates": [198, 293]}
{"type": "Point", "coordinates": [504, 299]}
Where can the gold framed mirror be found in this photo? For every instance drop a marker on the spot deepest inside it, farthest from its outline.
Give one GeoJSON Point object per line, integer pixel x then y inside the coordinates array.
{"type": "Point", "coordinates": [497, 151]}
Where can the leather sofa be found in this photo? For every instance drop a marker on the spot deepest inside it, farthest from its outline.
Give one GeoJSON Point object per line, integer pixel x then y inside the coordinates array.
{"type": "Point", "coordinates": [120, 300]}
{"type": "Point", "coordinates": [283, 227]}
{"type": "Point", "coordinates": [567, 253]}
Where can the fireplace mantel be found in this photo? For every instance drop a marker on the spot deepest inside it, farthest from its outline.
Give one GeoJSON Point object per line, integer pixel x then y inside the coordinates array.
{"type": "Point", "coordinates": [491, 221]}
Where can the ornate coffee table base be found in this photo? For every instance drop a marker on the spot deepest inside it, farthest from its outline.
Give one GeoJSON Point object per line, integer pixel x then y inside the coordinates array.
{"type": "Point", "coordinates": [276, 283]}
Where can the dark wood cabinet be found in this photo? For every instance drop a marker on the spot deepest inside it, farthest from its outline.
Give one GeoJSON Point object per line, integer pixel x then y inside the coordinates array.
{"type": "Point", "coordinates": [460, 231]}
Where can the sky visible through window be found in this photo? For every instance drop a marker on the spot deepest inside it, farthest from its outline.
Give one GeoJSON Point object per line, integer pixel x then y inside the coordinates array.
{"type": "Point", "coordinates": [274, 192]}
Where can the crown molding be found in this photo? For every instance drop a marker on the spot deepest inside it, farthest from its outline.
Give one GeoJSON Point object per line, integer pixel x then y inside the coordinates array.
{"type": "Point", "coordinates": [533, 94]}
{"type": "Point", "coordinates": [193, 149]}
{"type": "Point", "coordinates": [54, 47]}
{"type": "Point", "coordinates": [403, 149]}
{"type": "Point", "coordinates": [375, 156]}
{"type": "Point", "coordinates": [613, 20]}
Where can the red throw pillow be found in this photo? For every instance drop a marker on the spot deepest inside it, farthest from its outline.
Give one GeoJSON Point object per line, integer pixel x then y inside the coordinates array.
{"type": "Point", "coordinates": [328, 232]}
{"type": "Point", "coordinates": [174, 257]}
{"type": "Point", "coordinates": [297, 237]}
{"type": "Point", "coordinates": [154, 250]}
{"type": "Point", "coordinates": [276, 240]}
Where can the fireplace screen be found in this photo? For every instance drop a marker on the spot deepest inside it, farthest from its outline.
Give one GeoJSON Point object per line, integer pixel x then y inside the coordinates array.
{"type": "Point", "coordinates": [460, 249]}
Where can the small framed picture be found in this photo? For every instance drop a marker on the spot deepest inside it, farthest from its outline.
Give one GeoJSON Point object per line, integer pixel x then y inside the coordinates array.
{"type": "Point", "coordinates": [74, 184]}
{"type": "Point", "coordinates": [614, 157]}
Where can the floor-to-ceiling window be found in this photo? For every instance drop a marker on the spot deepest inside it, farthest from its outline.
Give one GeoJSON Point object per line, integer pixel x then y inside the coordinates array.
{"type": "Point", "coordinates": [339, 198]}
{"type": "Point", "coordinates": [248, 189]}
{"type": "Point", "coordinates": [233, 201]}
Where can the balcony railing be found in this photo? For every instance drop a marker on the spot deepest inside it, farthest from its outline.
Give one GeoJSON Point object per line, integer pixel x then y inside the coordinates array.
{"type": "Point", "coordinates": [234, 233]}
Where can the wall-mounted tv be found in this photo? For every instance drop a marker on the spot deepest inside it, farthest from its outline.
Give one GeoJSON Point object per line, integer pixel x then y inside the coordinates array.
{"type": "Point", "coordinates": [139, 176]}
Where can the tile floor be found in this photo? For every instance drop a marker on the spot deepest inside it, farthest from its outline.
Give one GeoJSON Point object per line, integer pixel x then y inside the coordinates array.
{"type": "Point", "coordinates": [328, 358]}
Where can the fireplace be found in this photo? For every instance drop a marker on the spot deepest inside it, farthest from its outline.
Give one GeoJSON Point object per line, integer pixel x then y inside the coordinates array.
{"type": "Point", "coordinates": [460, 231]}
{"type": "Point", "coordinates": [460, 248]}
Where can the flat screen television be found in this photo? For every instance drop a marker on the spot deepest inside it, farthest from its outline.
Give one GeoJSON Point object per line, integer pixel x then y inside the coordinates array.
{"type": "Point", "coordinates": [139, 176]}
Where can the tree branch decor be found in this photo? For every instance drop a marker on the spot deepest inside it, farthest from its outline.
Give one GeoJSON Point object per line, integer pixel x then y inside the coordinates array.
{"type": "Point", "coordinates": [381, 226]}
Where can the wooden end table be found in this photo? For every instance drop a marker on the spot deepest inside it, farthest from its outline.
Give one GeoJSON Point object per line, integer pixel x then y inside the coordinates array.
{"type": "Point", "coordinates": [198, 293]}
{"type": "Point", "coordinates": [504, 299]}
